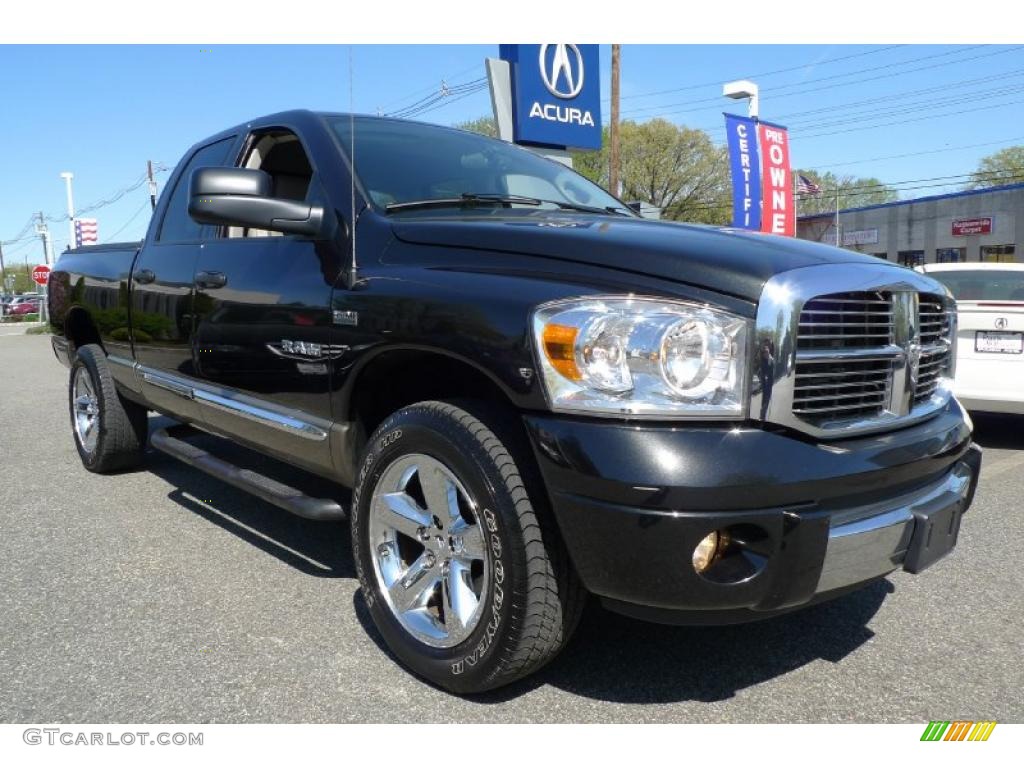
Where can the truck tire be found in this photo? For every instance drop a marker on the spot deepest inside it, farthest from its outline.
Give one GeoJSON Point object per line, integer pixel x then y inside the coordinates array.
{"type": "Point", "coordinates": [110, 432]}
{"type": "Point", "coordinates": [462, 568]}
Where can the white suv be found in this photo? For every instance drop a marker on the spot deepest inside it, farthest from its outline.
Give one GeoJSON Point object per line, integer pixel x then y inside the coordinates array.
{"type": "Point", "coordinates": [990, 340]}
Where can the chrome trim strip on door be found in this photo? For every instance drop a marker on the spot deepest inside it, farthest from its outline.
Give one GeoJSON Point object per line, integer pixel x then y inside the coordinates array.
{"type": "Point", "coordinates": [260, 415]}
{"type": "Point", "coordinates": [264, 416]}
{"type": "Point", "coordinates": [123, 361]}
{"type": "Point", "coordinates": [169, 384]}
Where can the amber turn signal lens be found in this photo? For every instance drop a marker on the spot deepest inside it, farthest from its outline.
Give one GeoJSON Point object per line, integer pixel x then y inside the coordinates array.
{"type": "Point", "coordinates": [560, 347]}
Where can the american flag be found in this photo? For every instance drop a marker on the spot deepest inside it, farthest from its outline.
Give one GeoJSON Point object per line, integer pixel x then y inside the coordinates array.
{"type": "Point", "coordinates": [805, 186]}
{"type": "Point", "coordinates": [86, 232]}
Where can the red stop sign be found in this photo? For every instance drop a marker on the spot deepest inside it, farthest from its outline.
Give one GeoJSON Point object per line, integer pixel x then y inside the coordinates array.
{"type": "Point", "coordinates": [41, 274]}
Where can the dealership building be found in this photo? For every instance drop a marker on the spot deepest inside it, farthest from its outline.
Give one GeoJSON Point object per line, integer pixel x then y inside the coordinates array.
{"type": "Point", "coordinates": [979, 225]}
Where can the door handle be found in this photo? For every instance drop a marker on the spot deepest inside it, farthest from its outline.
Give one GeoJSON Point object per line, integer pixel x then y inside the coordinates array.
{"type": "Point", "coordinates": [144, 276]}
{"type": "Point", "coordinates": [211, 279]}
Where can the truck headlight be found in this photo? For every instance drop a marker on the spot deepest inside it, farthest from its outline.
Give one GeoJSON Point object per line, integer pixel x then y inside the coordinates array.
{"type": "Point", "coordinates": [642, 357]}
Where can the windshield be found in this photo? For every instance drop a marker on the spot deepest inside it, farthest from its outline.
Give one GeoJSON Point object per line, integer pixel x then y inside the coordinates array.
{"type": "Point", "coordinates": [399, 162]}
{"type": "Point", "coordinates": [983, 284]}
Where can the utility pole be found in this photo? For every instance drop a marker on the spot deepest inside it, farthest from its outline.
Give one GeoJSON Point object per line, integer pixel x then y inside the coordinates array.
{"type": "Point", "coordinates": [68, 176]}
{"type": "Point", "coordinates": [613, 127]}
{"type": "Point", "coordinates": [3, 271]}
{"type": "Point", "coordinates": [152, 185]}
{"type": "Point", "coordinates": [44, 233]}
{"type": "Point", "coordinates": [839, 239]}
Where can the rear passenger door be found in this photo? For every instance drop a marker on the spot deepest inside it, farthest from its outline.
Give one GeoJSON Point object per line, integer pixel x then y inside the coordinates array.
{"type": "Point", "coordinates": [264, 334]}
{"type": "Point", "coordinates": [162, 292]}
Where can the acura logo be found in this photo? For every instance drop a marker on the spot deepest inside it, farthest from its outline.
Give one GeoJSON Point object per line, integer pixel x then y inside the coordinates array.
{"type": "Point", "coordinates": [1001, 323]}
{"type": "Point", "coordinates": [563, 73]}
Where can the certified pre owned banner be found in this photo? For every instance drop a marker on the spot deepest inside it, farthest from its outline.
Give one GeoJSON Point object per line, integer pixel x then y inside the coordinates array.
{"type": "Point", "coordinates": [746, 168]}
{"type": "Point", "coordinates": [777, 215]}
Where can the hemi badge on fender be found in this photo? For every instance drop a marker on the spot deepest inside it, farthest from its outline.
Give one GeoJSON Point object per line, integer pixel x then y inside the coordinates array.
{"type": "Point", "coordinates": [346, 317]}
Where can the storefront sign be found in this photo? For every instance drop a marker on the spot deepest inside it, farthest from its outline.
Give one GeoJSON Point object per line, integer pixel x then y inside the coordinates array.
{"type": "Point", "coordinates": [777, 216]}
{"type": "Point", "coordinates": [556, 94]}
{"type": "Point", "coordinates": [745, 167]}
{"type": "Point", "coordinates": [978, 226]}
{"type": "Point", "coordinates": [860, 237]}
{"type": "Point", "coordinates": [853, 237]}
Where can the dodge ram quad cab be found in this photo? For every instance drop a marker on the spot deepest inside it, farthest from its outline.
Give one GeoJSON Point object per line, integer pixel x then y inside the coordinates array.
{"type": "Point", "coordinates": [533, 394]}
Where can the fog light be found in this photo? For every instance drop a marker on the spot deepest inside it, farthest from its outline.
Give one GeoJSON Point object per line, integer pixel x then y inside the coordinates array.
{"type": "Point", "coordinates": [705, 552]}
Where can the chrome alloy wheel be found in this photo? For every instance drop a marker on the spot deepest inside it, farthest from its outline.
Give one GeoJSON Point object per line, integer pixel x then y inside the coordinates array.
{"type": "Point", "coordinates": [86, 415]}
{"type": "Point", "coordinates": [428, 549]}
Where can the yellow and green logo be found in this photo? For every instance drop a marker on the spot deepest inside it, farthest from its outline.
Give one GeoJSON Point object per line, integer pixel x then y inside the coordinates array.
{"type": "Point", "coordinates": [958, 730]}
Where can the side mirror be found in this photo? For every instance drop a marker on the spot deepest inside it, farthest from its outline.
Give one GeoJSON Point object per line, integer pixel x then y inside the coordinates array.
{"type": "Point", "coordinates": [240, 197]}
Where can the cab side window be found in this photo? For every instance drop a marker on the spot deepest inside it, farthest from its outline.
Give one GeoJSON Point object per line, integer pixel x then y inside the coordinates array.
{"type": "Point", "coordinates": [280, 155]}
{"type": "Point", "coordinates": [177, 224]}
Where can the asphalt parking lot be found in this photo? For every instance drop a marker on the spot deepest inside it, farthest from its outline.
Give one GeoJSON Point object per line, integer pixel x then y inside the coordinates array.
{"type": "Point", "coordinates": [166, 596]}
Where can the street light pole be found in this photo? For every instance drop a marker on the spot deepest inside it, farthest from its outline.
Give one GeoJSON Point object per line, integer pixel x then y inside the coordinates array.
{"type": "Point", "coordinates": [744, 89]}
{"type": "Point", "coordinates": [68, 176]}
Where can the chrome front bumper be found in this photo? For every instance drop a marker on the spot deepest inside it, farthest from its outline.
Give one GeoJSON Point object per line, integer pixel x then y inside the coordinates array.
{"type": "Point", "coordinates": [864, 544]}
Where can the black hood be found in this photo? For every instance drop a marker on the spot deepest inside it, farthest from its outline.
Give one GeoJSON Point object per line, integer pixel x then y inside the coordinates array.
{"type": "Point", "coordinates": [720, 259]}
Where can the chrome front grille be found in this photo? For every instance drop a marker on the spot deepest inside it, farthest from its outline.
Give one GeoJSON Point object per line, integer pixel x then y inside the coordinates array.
{"type": "Point", "coordinates": [846, 320]}
{"type": "Point", "coordinates": [847, 349]}
{"type": "Point", "coordinates": [934, 321]}
{"type": "Point", "coordinates": [835, 375]}
{"type": "Point", "coordinates": [854, 389]}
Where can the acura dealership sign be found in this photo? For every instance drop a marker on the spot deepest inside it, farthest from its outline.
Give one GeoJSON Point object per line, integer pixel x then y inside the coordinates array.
{"type": "Point", "coordinates": [556, 94]}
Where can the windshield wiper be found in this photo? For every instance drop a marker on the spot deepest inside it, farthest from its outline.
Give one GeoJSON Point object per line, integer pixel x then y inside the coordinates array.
{"type": "Point", "coordinates": [466, 200]}
{"type": "Point", "coordinates": [471, 199]}
{"type": "Point", "coordinates": [565, 205]}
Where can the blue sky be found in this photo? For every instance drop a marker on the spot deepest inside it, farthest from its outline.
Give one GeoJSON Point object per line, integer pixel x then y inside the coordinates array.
{"type": "Point", "coordinates": [102, 111]}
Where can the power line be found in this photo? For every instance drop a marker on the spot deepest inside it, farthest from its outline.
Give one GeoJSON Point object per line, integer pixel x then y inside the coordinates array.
{"type": "Point", "coordinates": [925, 107]}
{"type": "Point", "coordinates": [25, 233]}
{"type": "Point", "coordinates": [113, 198]}
{"type": "Point", "coordinates": [445, 92]}
{"type": "Point", "coordinates": [761, 74]}
{"type": "Point", "coordinates": [941, 88]}
{"type": "Point", "coordinates": [898, 185]}
{"type": "Point", "coordinates": [800, 89]}
{"type": "Point", "coordinates": [1007, 174]}
{"type": "Point", "coordinates": [134, 216]}
{"type": "Point", "coordinates": [429, 89]}
{"type": "Point", "coordinates": [923, 152]}
{"type": "Point", "coordinates": [451, 101]}
{"type": "Point", "coordinates": [931, 116]}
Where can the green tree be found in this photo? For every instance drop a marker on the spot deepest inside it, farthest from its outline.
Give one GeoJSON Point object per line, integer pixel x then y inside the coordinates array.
{"type": "Point", "coordinates": [22, 282]}
{"type": "Point", "coordinates": [676, 168]}
{"type": "Point", "coordinates": [484, 125]}
{"type": "Point", "coordinates": [594, 163]}
{"type": "Point", "coordinates": [853, 192]}
{"type": "Point", "coordinates": [1003, 167]}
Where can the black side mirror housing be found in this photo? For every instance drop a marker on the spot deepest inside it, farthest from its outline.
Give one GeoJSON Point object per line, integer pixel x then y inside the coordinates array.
{"type": "Point", "coordinates": [240, 197]}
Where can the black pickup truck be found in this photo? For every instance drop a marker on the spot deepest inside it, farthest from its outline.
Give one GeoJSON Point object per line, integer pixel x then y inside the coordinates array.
{"type": "Point", "coordinates": [533, 394]}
